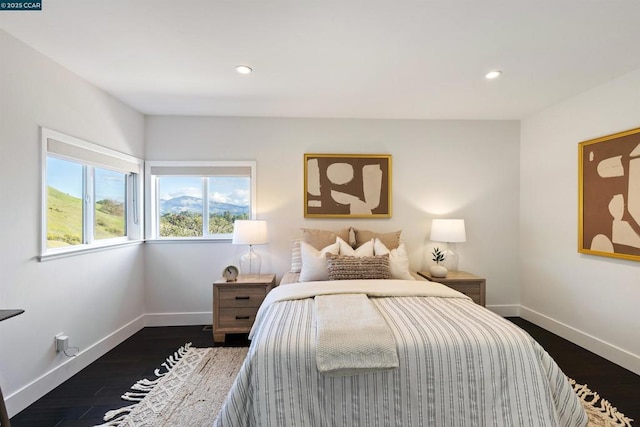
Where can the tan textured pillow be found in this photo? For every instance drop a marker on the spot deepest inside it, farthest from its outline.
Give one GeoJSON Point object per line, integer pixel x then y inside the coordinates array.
{"type": "Point", "coordinates": [390, 240]}
{"type": "Point", "coordinates": [322, 238]}
{"type": "Point", "coordinates": [341, 267]}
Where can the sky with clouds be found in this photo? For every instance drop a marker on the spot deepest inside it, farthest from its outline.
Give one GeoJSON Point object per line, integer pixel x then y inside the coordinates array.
{"type": "Point", "coordinates": [66, 176]}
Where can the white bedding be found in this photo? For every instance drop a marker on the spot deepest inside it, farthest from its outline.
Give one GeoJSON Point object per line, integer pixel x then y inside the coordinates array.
{"type": "Point", "coordinates": [459, 364]}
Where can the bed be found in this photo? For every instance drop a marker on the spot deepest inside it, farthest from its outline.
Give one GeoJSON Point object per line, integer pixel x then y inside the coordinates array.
{"type": "Point", "coordinates": [458, 364]}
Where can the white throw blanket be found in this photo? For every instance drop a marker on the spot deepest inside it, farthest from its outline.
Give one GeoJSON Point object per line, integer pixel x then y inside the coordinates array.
{"type": "Point", "coordinates": [352, 337]}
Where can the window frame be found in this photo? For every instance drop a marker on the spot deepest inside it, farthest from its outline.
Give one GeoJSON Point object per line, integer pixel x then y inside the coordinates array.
{"type": "Point", "coordinates": [91, 156]}
{"type": "Point", "coordinates": [152, 200]}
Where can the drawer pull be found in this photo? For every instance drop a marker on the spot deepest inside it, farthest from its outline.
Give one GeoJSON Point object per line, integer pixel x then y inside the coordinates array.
{"type": "Point", "coordinates": [242, 317]}
{"type": "Point", "coordinates": [243, 297]}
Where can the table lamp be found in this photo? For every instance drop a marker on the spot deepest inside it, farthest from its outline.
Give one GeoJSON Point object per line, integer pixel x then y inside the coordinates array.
{"type": "Point", "coordinates": [250, 232]}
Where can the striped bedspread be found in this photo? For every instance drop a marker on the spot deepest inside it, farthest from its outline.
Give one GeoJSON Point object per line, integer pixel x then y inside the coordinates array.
{"type": "Point", "coordinates": [460, 365]}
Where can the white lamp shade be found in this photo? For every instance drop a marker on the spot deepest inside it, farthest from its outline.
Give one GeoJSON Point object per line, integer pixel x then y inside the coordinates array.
{"type": "Point", "coordinates": [448, 230]}
{"type": "Point", "coordinates": [249, 232]}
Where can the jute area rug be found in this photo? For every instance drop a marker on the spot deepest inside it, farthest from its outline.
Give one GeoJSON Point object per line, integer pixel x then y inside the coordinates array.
{"type": "Point", "coordinates": [189, 391]}
{"type": "Point", "coordinates": [193, 384]}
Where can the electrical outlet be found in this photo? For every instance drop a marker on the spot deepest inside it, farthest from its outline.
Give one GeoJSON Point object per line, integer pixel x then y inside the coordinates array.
{"type": "Point", "coordinates": [62, 342]}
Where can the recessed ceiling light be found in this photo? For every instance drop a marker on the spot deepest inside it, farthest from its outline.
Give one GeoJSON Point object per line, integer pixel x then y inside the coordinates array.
{"type": "Point", "coordinates": [493, 74]}
{"type": "Point", "coordinates": [243, 69]}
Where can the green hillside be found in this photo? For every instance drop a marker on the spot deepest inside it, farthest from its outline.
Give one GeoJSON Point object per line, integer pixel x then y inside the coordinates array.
{"type": "Point", "coordinates": [64, 219]}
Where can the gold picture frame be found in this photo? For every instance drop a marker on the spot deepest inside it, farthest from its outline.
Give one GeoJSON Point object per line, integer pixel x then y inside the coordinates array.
{"type": "Point", "coordinates": [347, 185]}
{"type": "Point", "coordinates": [609, 196]}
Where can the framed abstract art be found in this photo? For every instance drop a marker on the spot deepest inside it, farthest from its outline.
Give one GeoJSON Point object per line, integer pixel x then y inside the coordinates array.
{"type": "Point", "coordinates": [347, 186]}
{"type": "Point", "coordinates": [609, 196]}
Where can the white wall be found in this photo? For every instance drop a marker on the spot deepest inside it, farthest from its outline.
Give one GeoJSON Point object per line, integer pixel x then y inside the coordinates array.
{"type": "Point", "coordinates": [466, 169]}
{"type": "Point", "coordinates": [591, 300]}
{"type": "Point", "coordinates": [96, 299]}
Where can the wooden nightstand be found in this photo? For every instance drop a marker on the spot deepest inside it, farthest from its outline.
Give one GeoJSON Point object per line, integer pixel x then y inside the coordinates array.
{"type": "Point", "coordinates": [235, 304]}
{"type": "Point", "coordinates": [467, 283]}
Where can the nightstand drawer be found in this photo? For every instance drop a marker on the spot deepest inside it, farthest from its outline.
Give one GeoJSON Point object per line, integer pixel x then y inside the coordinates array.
{"type": "Point", "coordinates": [472, 290]}
{"type": "Point", "coordinates": [241, 297]}
{"type": "Point", "coordinates": [235, 304]}
{"type": "Point", "coordinates": [237, 317]}
{"type": "Point", "coordinates": [469, 284]}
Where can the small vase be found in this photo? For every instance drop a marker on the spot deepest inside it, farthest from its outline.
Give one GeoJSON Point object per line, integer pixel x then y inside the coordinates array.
{"type": "Point", "coordinates": [438, 271]}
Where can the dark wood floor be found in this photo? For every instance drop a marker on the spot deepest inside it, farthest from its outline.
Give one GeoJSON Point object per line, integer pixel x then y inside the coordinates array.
{"type": "Point", "coordinates": [84, 398]}
{"type": "Point", "coordinates": [619, 386]}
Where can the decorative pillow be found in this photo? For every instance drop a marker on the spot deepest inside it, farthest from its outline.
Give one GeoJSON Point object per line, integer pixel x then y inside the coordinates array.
{"type": "Point", "coordinates": [390, 240]}
{"type": "Point", "coordinates": [314, 263]}
{"type": "Point", "coordinates": [365, 250]}
{"type": "Point", "coordinates": [398, 259]}
{"type": "Point", "coordinates": [322, 238]}
{"type": "Point", "coordinates": [289, 277]}
{"type": "Point", "coordinates": [296, 257]}
{"type": "Point", "coordinates": [341, 267]}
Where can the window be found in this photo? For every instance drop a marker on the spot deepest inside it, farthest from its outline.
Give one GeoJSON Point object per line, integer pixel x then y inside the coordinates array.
{"type": "Point", "coordinates": [198, 200]}
{"type": "Point", "coordinates": [90, 195]}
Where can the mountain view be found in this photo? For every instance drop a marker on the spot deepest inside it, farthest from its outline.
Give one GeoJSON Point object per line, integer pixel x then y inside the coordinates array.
{"type": "Point", "coordinates": [182, 217]}
{"type": "Point", "coordinates": [194, 204]}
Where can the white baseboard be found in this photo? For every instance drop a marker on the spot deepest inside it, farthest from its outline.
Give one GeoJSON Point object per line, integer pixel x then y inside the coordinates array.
{"type": "Point", "coordinates": [42, 385]}
{"type": "Point", "coordinates": [178, 319]}
{"type": "Point", "coordinates": [595, 345]}
{"type": "Point", "coordinates": [505, 310]}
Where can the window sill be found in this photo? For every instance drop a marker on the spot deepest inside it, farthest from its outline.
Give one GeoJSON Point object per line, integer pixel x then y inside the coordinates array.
{"type": "Point", "coordinates": [86, 249]}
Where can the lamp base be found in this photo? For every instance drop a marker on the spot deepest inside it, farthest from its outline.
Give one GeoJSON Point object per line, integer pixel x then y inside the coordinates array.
{"type": "Point", "coordinates": [250, 263]}
{"type": "Point", "coordinates": [451, 258]}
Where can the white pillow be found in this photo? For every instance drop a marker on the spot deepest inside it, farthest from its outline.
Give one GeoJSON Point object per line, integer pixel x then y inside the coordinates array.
{"type": "Point", "coordinates": [296, 258]}
{"type": "Point", "coordinates": [314, 263]}
{"type": "Point", "coordinates": [398, 260]}
{"type": "Point", "coordinates": [365, 249]}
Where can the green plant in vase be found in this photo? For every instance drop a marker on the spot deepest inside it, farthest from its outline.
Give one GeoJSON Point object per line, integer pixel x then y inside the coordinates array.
{"type": "Point", "coordinates": [438, 257]}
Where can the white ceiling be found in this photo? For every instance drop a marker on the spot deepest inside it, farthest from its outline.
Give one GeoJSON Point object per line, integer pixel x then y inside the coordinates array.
{"type": "Point", "coordinates": [351, 59]}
